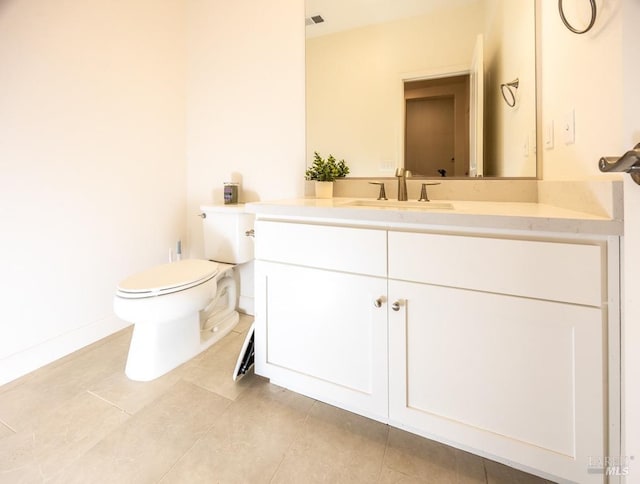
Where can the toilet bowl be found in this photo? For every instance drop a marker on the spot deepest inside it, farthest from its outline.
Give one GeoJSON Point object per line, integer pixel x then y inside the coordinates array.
{"type": "Point", "coordinates": [181, 308]}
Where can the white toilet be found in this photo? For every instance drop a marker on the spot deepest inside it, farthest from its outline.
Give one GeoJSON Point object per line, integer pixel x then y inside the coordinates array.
{"type": "Point", "coordinates": [182, 308]}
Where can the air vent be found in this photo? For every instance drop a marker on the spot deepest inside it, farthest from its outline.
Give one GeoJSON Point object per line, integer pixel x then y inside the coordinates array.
{"type": "Point", "coordinates": [314, 19]}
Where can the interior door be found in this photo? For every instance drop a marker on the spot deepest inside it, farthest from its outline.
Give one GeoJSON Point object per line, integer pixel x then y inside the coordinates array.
{"type": "Point", "coordinates": [430, 135]}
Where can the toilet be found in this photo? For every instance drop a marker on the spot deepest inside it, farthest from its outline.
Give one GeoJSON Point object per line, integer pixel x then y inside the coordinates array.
{"type": "Point", "coordinates": [181, 308]}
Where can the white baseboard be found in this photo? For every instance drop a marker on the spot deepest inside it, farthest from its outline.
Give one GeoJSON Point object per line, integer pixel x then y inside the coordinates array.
{"type": "Point", "coordinates": [18, 364]}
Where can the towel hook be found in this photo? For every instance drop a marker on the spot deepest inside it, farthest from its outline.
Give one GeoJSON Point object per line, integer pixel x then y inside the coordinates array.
{"type": "Point", "coordinates": [510, 99]}
{"type": "Point", "coordinates": [594, 13]}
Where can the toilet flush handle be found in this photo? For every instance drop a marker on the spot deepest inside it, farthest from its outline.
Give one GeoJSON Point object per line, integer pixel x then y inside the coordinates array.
{"type": "Point", "coordinates": [250, 233]}
{"type": "Point", "coordinates": [202, 215]}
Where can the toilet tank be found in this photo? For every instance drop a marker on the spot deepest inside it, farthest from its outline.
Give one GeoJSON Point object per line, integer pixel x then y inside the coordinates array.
{"type": "Point", "coordinates": [225, 228]}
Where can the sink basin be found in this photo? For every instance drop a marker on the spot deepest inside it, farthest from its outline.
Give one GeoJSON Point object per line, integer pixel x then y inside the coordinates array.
{"type": "Point", "coordinates": [395, 204]}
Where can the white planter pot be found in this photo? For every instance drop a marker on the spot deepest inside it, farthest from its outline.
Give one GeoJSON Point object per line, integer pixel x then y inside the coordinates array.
{"type": "Point", "coordinates": [324, 189]}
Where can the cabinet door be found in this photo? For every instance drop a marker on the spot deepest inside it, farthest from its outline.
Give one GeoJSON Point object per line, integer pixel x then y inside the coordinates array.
{"type": "Point", "coordinates": [505, 376]}
{"type": "Point", "coordinates": [320, 333]}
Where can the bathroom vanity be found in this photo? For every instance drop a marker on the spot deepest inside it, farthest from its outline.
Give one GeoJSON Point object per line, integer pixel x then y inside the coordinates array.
{"type": "Point", "coordinates": [489, 326]}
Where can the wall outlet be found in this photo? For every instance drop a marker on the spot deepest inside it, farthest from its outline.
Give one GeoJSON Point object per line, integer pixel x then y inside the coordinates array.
{"type": "Point", "coordinates": [387, 165]}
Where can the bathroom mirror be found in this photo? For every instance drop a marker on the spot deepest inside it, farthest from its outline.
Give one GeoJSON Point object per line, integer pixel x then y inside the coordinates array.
{"type": "Point", "coordinates": [361, 53]}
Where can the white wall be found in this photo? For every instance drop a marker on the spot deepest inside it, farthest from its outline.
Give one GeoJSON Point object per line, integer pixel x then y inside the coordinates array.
{"type": "Point", "coordinates": [92, 165]}
{"type": "Point", "coordinates": [354, 83]}
{"type": "Point", "coordinates": [245, 104]}
{"type": "Point", "coordinates": [93, 147]}
{"type": "Point", "coordinates": [631, 332]}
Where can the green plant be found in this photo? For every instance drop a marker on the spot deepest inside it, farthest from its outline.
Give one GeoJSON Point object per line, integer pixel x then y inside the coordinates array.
{"type": "Point", "coordinates": [326, 170]}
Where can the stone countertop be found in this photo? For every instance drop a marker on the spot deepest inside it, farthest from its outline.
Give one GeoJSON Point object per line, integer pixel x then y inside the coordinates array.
{"type": "Point", "coordinates": [526, 216]}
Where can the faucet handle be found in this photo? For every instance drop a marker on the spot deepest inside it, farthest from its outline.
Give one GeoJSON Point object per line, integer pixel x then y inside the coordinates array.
{"type": "Point", "coordinates": [423, 192]}
{"type": "Point", "coordinates": [382, 195]}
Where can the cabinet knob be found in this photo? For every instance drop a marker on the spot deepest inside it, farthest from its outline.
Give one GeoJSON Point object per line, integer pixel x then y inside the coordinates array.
{"type": "Point", "coordinates": [378, 302]}
{"type": "Point", "coordinates": [396, 305]}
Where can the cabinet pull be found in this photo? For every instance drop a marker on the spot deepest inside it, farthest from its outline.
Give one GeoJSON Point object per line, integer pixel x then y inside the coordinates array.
{"type": "Point", "coordinates": [378, 302]}
{"type": "Point", "coordinates": [396, 305]}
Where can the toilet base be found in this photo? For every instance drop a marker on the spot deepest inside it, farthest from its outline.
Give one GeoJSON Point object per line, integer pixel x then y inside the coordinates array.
{"type": "Point", "coordinates": [157, 348]}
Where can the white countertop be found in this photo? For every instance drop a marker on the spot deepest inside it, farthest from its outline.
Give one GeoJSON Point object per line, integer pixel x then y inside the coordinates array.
{"type": "Point", "coordinates": [473, 214]}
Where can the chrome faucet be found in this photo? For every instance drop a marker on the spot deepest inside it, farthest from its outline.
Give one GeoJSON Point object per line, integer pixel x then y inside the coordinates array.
{"type": "Point", "coordinates": [401, 173]}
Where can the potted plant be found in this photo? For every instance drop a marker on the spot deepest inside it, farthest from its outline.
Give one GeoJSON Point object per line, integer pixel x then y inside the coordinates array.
{"type": "Point", "coordinates": [324, 173]}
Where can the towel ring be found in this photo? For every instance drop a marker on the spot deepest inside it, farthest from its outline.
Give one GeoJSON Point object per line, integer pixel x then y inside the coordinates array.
{"type": "Point", "coordinates": [510, 99]}
{"type": "Point", "coordinates": [594, 13]}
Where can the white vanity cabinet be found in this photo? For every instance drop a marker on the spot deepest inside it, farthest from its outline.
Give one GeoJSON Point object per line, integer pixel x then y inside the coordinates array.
{"type": "Point", "coordinates": [491, 342]}
{"type": "Point", "coordinates": [321, 320]}
{"type": "Point", "coordinates": [497, 346]}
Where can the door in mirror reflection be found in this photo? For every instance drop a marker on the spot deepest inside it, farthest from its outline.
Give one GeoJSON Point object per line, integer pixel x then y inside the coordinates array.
{"type": "Point", "coordinates": [437, 126]}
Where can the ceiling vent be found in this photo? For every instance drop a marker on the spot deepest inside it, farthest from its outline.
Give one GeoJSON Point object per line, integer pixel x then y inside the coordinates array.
{"type": "Point", "coordinates": [314, 19]}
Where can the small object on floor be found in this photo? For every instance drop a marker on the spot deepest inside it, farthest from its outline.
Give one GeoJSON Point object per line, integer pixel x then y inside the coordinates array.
{"type": "Point", "coordinates": [246, 356]}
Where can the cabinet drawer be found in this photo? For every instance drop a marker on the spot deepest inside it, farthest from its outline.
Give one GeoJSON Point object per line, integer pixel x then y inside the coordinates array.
{"type": "Point", "coordinates": [543, 270]}
{"type": "Point", "coordinates": [361, 251]}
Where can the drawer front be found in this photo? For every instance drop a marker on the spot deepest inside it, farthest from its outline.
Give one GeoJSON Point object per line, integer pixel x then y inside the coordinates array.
{"type": "Point", "coordinates": [360, 251]}
{"type": "Point", "coordinates": [544, 270]}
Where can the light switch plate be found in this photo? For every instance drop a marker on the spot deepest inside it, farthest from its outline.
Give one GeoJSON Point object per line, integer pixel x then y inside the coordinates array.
{"type": "Point", "coordinates": [569, 128]}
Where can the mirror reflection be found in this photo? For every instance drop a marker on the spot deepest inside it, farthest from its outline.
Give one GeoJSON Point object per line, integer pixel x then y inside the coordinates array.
{"type": "Point", "coordinates": [375, 72]}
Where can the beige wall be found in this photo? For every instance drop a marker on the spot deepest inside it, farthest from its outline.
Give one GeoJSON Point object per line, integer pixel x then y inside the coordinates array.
{"type": "Point", "coordinates": [509, 32]}
{"type": "Point", "coordinates": [581, 73]}
{"type": "Point", "coordinates": [92, 165]}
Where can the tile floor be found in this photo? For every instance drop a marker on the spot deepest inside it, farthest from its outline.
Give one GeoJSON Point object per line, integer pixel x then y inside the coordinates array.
{"type": "Point", "coordinates": [79, 420]}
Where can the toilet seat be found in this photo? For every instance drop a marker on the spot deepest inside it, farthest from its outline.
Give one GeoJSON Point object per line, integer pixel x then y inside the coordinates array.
{"type": "Point", "coordinates": [167, 278]}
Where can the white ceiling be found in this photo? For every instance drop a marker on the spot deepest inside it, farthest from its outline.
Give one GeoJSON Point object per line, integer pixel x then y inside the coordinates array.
{"type": "Point", "coordinates": [347, 14]}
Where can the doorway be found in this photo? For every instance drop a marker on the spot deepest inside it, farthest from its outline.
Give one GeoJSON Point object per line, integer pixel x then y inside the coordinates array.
{"type": "Point", "coordinates": [437, 126]}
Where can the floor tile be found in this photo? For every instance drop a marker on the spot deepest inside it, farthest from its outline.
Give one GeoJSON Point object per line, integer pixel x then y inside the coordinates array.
{"type": "Point", "coordinates": [81, 420]}
{"type": "Point", "coordinates": [57, 439]}
{"type": "Point", "coordinates": [152, 441]}
{"type": "Point", "coordinates": [213, 368]}
{"type": "Point", "coordinates": [420, 458]}
{"type": "Point", "coordinates": [112, 342]}
{"type": "Point", "coordinates": [56, 384]}
{"type": "Point", "coordinates": [249, 441]}
{"type": "Point", "coordinates": [243, 324]}
{"type": "Point", "coordinates": [469, 468]}
{"type": "Point", "coordinates": [501, 474]}
{"type": "Point", "coordinates": [390, 476]}
{"type": "Point", "coordinates": [5, 431]}
{"type": "Point", "coordinates": [129, 395]}
{"type": "Point", "coordinates": [335, 446]}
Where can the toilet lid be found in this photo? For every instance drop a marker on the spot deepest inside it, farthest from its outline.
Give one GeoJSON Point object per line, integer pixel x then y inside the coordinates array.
{"type": "Point", "coordinates": [168, 278]}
